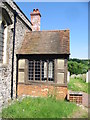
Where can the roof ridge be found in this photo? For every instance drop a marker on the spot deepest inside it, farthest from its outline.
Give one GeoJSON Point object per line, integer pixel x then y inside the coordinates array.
{"type": "Point", "coordinates": [49, 31]}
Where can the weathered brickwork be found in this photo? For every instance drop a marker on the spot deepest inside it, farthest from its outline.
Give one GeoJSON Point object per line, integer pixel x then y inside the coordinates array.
{"type": "Point", "coordinates": [59, 92]}
{"type": "Point", "coordinates": [35, 19]}
{"type": "Point", "coordinates": [5, 69]}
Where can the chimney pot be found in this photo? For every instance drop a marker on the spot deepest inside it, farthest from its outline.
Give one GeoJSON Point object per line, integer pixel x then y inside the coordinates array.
{"type": "Point", "coordinates": [37, 10]}
{"type": "Point", "coordinates": [33, 10]}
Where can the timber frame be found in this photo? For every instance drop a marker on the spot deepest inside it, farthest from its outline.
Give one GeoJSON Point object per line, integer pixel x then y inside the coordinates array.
{"type": "Point", "coordinates": [40, 56]}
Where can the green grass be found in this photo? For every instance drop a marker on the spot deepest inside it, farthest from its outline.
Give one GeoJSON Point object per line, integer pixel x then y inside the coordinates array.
{"type": "Point", "coordinates": [85, 115]}
{"type": "Point", "coordinates": [39, 108]}
{"type": "Point", "coordinates": [77, 84]}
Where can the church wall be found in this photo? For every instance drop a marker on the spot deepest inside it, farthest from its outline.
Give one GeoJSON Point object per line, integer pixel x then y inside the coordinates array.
{"type": "Point", "coordinates": [5, 69]}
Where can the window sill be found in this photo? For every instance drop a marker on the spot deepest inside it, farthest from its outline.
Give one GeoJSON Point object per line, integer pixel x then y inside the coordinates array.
{"type": "Point", "coordinates": [43, 83]}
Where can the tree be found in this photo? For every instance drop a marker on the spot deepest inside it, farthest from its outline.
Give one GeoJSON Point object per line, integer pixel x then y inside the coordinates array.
{"type": "Point", "coordinates": [76, 66]}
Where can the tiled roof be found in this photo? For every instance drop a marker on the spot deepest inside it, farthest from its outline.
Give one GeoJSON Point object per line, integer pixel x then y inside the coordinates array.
{"type": "Point", "coordinates": [45, 42]}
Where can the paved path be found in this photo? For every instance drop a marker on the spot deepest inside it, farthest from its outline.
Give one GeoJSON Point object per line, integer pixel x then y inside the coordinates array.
{"type": "Point", "coordinates": [86, 100]}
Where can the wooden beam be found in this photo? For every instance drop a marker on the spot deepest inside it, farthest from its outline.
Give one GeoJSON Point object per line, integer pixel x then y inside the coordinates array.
{"type": "Point", "coordinates": [26, 71]}
{"type": "Point", "coordinates": [55, 71]}
{"type": "Point", "coordinates": [47, 69]}
{"type": "Point", "coordinates": [40, 70]}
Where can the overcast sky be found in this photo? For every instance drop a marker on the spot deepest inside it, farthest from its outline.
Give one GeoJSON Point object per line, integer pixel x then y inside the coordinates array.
{"type": "Point", "coordinates": [64, 15]}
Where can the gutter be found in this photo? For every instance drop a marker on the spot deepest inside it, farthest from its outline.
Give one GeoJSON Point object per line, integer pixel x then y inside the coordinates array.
{"type": "Point", "coordinates": [15, 14]}
{"type": "Point", "coordinates": [22, 13]}
{"type": "Point", "coordinates": [20, 17]}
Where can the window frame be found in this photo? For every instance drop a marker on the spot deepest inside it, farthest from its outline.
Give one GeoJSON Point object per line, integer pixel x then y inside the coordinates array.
{"type": "Point", "coordinates": [41, 81]}
{"type": "Point", "coordinates": [4, 51]}
{"type": "Point", "coordinates": [2, 41]}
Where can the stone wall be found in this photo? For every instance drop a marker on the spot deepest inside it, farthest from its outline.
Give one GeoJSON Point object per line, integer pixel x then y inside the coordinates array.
{"type": "Point", "coordinates": [15, 7]}
{"type": "Point", "coordinates": [5, 69]}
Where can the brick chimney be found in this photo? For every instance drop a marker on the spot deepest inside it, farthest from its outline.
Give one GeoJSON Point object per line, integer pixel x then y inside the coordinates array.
{"type": "Point", "coordinates": [35, 20]}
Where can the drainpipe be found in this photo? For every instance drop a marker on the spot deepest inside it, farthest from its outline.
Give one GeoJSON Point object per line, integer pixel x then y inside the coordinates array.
{"type": "Point", "coordinates": [15, 14]}
{"type": "Point", "coordinates": [17, 58]}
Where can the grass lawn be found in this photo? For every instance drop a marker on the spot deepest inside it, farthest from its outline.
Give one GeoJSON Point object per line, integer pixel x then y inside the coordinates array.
{"type": "Point", "coordinates": [77, 84]}
{"type": "Point", "coordinates": [39, 108]}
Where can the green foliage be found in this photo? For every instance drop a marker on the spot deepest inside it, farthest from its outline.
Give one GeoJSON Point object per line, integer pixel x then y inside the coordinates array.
{"type": "Point", "coordinates": [76, 66]}
{"type": "Point", "coordinates": [39, 108]}
{"type": "Point", "coordinates": [89, 65]}
{"type": "Point", "coordinates": [77, 84]}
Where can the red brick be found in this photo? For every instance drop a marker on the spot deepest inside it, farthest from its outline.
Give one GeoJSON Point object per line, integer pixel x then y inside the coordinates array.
{"type": "Point", "coordinates": [43, 90]}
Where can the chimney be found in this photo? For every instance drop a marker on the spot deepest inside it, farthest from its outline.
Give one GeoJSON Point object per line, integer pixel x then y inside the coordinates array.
{"type": "Point", "coordinates": [35, 20]}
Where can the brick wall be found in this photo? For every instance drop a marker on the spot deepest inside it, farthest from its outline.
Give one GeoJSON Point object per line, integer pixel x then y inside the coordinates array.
{"type": "Point", "coordinates": [42, 90]}
{"type": "Point", "coordinates": [75, 98]}
{"type": "Point", "coordinates": [35, 20]}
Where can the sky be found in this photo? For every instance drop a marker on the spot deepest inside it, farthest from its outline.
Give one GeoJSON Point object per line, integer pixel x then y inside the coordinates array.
{"type": "Point", "coordinates": [64, 15]}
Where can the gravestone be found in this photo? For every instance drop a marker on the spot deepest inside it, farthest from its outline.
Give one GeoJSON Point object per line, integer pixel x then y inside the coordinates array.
{"type": "Point", "coordinates": [68, 76]}
{"type": "Point", "coordinates": [88, 76]}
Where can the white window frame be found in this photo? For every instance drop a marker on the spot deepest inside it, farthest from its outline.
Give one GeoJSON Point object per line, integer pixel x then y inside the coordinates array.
{"type": "Point", "coordinates": [4, 61]}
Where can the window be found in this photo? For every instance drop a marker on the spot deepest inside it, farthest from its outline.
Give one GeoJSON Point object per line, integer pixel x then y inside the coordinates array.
{"type": "Point", "coordinates": [44, 70]}
{"type": "Point", "coordinates": [5, 21]}
{"type": "Point", "coordinates": [1, 42]}
{"type": "Point", "coordinates": [50, 71]}
{"type": "Point", "coordinates": [41, 70]}
{"type": "Point", "coordinates": [31, 70]}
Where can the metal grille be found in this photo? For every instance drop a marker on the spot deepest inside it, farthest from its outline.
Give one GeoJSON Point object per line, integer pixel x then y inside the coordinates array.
{"type": "Point", "coordinates": [37, 70]}
{"type": "Point", "coordinates": [31, 70]}
{"type": "Point", "coordinates": [41, 70]}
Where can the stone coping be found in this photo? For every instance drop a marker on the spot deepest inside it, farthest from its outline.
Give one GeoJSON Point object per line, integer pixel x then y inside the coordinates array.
{"type": "Point", "coordinates": [75, 92]}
